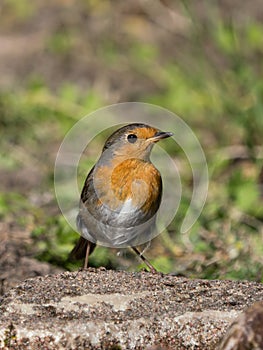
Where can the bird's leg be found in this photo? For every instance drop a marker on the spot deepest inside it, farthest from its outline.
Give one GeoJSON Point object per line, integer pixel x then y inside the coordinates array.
{"type": "Point", "coordinates": [87, 256]}
{"type": "Point", "coordinates": [145, 248]}
{"type": "Point", "coordinates": [147, 262]}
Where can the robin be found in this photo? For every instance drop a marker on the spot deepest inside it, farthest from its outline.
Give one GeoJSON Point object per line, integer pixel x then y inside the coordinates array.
{"type": "Point", "coordinates": [122, 193]}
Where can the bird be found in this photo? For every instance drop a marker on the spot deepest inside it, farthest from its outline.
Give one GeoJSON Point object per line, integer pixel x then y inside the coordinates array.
{"type": "Point", "coordinates": [121, 194]}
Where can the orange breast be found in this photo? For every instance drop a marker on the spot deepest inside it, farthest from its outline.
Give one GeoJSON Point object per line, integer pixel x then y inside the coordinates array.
{"type": "Point", "coordinates": [131, 179]}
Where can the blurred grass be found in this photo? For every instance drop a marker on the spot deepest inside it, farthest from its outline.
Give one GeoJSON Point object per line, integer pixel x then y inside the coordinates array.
{"type": "Point", "coordinates": [210, 74]}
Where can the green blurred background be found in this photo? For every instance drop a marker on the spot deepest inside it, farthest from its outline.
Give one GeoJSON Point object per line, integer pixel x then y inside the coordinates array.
{"type": "Point", "coordinates": [203, 60]}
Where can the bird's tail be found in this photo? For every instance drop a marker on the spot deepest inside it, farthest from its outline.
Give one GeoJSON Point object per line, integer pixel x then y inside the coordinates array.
{"type": "Point", "coordinates": [79, 251]}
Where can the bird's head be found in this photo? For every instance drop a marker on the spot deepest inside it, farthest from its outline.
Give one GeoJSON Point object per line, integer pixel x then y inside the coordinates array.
{"type": "Point", "coordinates": [134, 141]}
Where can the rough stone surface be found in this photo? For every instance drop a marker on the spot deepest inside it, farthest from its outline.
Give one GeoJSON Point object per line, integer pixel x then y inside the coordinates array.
{"type": "Point", "coordinates": [246, 333]}
{"type": "Point", "coordinates": [99, 309]}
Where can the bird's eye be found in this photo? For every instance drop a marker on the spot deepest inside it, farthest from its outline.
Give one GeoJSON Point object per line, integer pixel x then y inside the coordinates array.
{"type": "Point", "coordinates": [132, 138]}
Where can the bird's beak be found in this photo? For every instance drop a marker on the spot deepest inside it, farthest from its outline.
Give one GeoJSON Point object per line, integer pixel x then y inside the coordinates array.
{"type": "Point", "coordinates": [160, 135]}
